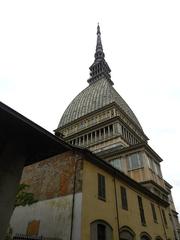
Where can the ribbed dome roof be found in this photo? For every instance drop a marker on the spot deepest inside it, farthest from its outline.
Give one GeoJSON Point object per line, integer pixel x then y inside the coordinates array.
{"type": "Point", "coordinates": [94, 97]}
{"type": "Point", "coordinates": [99, 93]}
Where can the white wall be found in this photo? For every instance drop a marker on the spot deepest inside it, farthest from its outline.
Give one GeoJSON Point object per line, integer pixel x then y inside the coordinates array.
{"type": "Point", "coordinates": [54, 216]}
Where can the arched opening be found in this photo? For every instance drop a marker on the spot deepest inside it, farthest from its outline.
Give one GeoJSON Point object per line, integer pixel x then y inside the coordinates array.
{"type": "Point", "coordinates": [101, 230]}
{"type": "Point", "coordinates": [126, 233]}
{"type": "Point", "coordinates": [159, 238]}
{"type": "Point", "coordinates": [145, 236]}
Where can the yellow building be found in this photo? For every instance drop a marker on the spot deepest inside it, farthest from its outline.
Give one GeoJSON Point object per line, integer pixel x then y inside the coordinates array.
{"type": "Point", "coordinates": [108, 184]}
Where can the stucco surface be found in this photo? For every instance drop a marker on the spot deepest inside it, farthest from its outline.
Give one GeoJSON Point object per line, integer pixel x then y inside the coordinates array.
{"type": "Point", "coordinates": [54, 216]}
{"type": "Point", "coordinates": [53, 177]}
{"type": "Point", "coordinates": [106, 210]}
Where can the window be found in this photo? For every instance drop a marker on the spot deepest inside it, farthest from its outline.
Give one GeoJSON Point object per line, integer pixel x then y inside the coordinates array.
{"type": "Point", "coordinates": [154, 212]}
{"type": "Point", "coordinates": [124, 198]}
{"type": "Point", "coordinates": [164, 217]}
{"type": "Point", "coordinates": [101, 187]}
{"type": "Point", "coordinates": [33, 228]}
{"type": "Point", "coordinates": [154, 166]}
{"type": "Point", "coordinates": [141, 210]}
{"type": "Point", "coordinates": [135, 161]}
{"type": "Point", "coordinates": [149, 160]}
{"type": "Point", "coordinates": [157, 169]}
{"type": "Point", "coordinates": [117, 164]}
{"type": "Point", "coordinates": [126, 233]}
{"type": "Point", "coordinates": [145, 237]}
{"type": "Point", "coordinates": [101, 232]}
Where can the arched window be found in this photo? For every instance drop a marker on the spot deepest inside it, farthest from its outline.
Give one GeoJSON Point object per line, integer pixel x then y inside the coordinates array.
{"type": "Point", "coordinates": [101, 230]}
{"type": "Point", "coordinates": [145, 236]}
{"type": "Point", "coordinates": [126, 233]}
{"type": "Point", "coordinates": [158, 238]}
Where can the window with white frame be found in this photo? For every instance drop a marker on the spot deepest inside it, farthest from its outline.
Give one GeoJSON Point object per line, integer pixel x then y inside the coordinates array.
{"type": "Point", "coordinates": [135, 161]}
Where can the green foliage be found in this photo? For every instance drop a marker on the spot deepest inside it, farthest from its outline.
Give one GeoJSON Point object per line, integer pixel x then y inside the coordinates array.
{"type": "Point", "coordinates": [23, 197]}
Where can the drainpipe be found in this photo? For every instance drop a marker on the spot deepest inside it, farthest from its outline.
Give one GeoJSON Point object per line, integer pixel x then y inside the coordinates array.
{"type": "Point", "coordinates": [73, 198]}
{"type": "Point", "coordinates": [115, 192]}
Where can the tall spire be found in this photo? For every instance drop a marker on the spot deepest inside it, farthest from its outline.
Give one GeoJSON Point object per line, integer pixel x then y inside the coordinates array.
{"type": "Point", "coordinates": [100, 67]}
{"type": "Point", "coordinates": [99, 48]}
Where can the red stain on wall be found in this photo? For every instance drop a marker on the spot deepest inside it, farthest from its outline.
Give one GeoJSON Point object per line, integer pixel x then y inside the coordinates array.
{"type": "Point", "coordinates": [54, 177]}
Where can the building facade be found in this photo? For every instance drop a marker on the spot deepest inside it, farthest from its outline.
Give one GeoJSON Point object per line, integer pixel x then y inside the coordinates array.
{"type": "Point", "coordinates": [99, 119]}
{"type": "Point", "coordinates": [110, 184]}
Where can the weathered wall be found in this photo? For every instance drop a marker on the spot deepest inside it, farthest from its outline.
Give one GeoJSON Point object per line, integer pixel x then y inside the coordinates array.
{"type": "Point", "coordinates": [54, 177]}
{"type": "Point", "coordinates": [52, 183]}
{"type": "Point", "coordinates": [54, 216]}
{"type": "Point", "coordinates": [106, 210]}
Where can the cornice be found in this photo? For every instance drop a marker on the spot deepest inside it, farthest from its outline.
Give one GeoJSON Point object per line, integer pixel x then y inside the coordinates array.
{"type": "Point", "coordinates": [155, 184]}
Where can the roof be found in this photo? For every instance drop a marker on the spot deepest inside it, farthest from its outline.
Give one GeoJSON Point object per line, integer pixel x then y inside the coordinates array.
{"type": "Point", "coordinates": [37, 142]}
{"type": "Point", "coordinates": [94, 97]}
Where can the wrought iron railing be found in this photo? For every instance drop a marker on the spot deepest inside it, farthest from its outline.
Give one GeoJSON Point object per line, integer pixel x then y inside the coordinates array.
{"type": "Point", "coordinates": [25, 237]}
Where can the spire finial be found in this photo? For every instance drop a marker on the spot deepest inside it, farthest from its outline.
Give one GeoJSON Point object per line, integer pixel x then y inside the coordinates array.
{"type": "Point", "coordinates": [98, 29]}
{"type": "Point", "coordinates": [100, 67]}
{"type": "Point", "coordinates": [99, 48]}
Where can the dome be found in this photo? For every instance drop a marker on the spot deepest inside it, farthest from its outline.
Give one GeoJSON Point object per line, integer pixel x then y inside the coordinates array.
{"type": "Point", "coordinates": [94, 97]}
{"type": "Point", "coordinates": [99, 93]}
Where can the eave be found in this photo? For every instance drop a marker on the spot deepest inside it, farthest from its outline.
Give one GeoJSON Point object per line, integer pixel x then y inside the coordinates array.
{"type": "Point", "coordinates": [134, 148]}
{"type": "Point", "coordinates": [37, 143]}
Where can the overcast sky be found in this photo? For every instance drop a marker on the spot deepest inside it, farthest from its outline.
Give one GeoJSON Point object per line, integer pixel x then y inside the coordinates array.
{"type": "Point", "coordinates": [46, 48]}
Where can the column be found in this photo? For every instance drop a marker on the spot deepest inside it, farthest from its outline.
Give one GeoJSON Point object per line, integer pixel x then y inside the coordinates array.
{"type": "Point", "coordinates": [95, 136]}
{"type": "Point", "coordinates": [11, 166]}
{"type": "Point", "coordinates": [109, 134]}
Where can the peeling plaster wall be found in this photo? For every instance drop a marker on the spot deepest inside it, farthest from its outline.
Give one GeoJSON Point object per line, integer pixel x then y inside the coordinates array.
{"type": "Point", "coordinates": [54, 216]}
{"type": "Point", "coordinates": [54, 177]}
{"type": "Point", "coordinates": [52, 183]}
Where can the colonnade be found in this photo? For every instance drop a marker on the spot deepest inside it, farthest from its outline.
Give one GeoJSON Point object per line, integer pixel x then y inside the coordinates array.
{"type": "Point", "coordinates": [94, 136]}
{"type": "Point", "coordinates": [129, 137]}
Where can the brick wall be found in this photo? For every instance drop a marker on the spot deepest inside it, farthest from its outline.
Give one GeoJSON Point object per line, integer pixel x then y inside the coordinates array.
{"type": "Point", "coordinates": [54, 177]}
